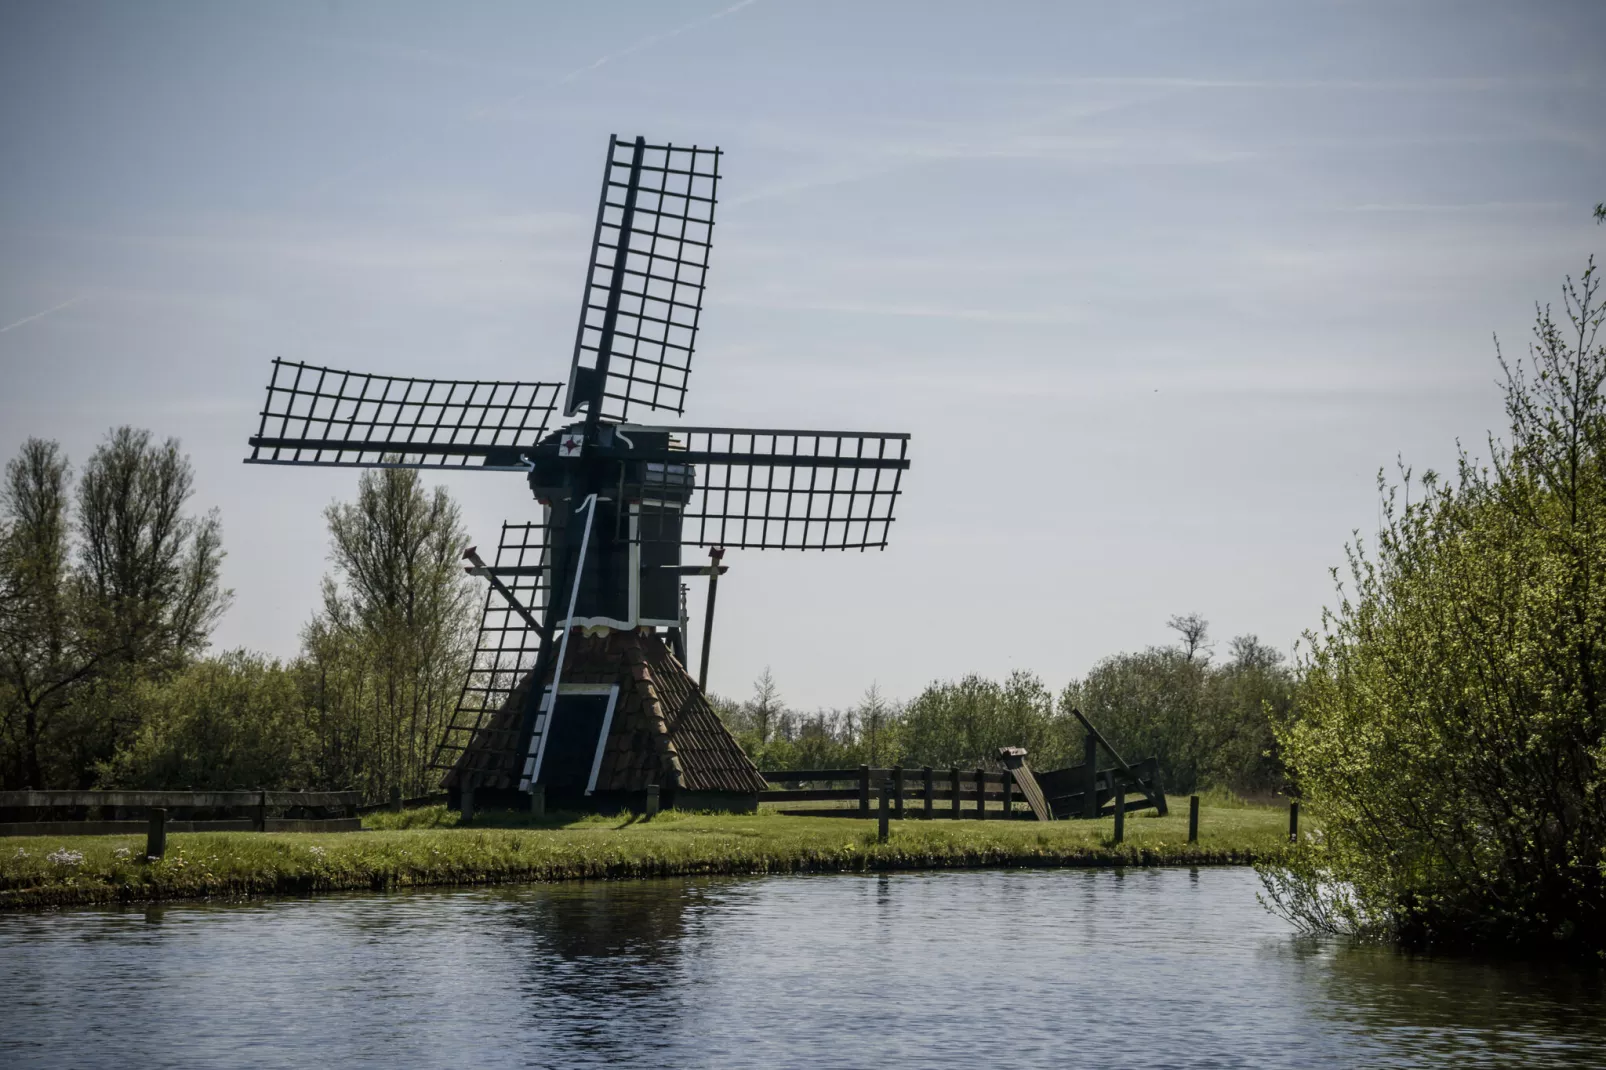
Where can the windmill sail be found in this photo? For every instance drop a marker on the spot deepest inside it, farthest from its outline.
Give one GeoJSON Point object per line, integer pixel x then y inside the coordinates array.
{"type": "Point", "coordinates": [644, 292]}
{"type": "Point", "coordinates": [774, 490]}
{"type": "Point", "coordinates": [505, 653]}
{"type": "Point", "coordinates": [322, 416]}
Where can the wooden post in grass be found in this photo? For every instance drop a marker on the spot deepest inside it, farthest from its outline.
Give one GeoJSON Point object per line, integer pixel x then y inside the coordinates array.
{"type": "Point", "coordinates": [1293, 822]}
{"type": "Point", "coordinates": [1120, 811]}
{"type": "Point", "coordinates": [931, 790]}
{"type": "Point", "coordinates": [466, 797]}
{"type": "Point", "coordinates": [1090, 776]}
{"type": "Point", "coordinates": [897, 790]}
{"type": "Point", "coordinates": [881, 823]}
{"type": "Point", "coordinates": [981, 794]}
{"type": "Point", "coordinates": [1009, 794]}
{"type": "Point", "coordinates": [652, 799]}
{"type": "Point", "coordinates": [864, 791]}
{"type": "Point", "coordinates": [537, 800]}
{"type": "Point", "coordinates": [1193, 819]}
{"type": "Point", "coordinates": [262, 811]}
{"type": "Point", "coordinates": [395, 799]}
{"type": "Point", "coordinates": [953, 786]}
{"type": "Point", "coordinates": [156, 834]}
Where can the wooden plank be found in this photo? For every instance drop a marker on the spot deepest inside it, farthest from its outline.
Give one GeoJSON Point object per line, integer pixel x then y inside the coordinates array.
{"type": "Point", "coordinates": [177, 799]}
{"type": "Point", "coordinates": [804, 776]}
{"type": "Point", "coordinates": [807, 794]}
{"type": "Point", "coordinates": [1014, 759]}
{"type": "Point", "coordinates": [117, 828]}
{"type": "Point", "coordinates": [313, 824]}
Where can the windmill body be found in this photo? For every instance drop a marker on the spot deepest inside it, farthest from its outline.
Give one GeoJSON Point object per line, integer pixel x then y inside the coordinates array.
{"type": "Point", "coordinates": [579, 683]}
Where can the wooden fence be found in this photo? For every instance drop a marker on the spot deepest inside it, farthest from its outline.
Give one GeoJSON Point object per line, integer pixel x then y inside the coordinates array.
{"type": "Point", "coordinates": [924, 793]}
{"type": "Point", "coordinates": [98, 813]}
{"type": "Point", "coordinates": [927, 793]}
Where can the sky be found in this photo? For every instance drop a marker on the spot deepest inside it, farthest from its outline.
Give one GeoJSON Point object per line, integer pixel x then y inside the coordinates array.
{"type": "Point", "coordinates": [1157, 289]}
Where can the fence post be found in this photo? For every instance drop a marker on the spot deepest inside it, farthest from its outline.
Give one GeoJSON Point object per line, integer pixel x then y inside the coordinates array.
{"type": "Point", "coordinates": [953, 792]}
{"type": "Point", "coordinates": [897, 790]}
{"type": "Point", "coordinates": [156, 834]}
{"type": "Point", "coordinates": [652, 799]}
{"type": "Point", "coordinates": [1009, 793]}
{"type": "Point", "coordinates": [981, 794]}
{"type": "Point", "coordinates": [1120, 811]}
{"type": "Point", "coordinates": [1193, 819]}
{"type": "Point", "coordinates": [537, 800]}
{"type": "Point", "coordinates": [1293, 822]}
{"type": "Point", "coordinates": [864, 791]}
{"type": "Point", "coordinates": [881, 824]}
{"type": "Point", "coordinates": [931, 793]}
{"type": "Point", "coordinates": [395, 799]}
{"type": "Point", "coordinates": [262, 811]}
{"type": "Point", "coordinates": [466, 797]}
{"type": "Point", "coordinates": [1090, 776]}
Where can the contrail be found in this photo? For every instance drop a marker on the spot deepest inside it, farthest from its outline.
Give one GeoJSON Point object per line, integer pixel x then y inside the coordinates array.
{"type": "Point", "coordinates": [41, 315]}
{"type": "Point", "coordinates": [647, 42]}
{"type": "Point", "coordinates": [481, 112]}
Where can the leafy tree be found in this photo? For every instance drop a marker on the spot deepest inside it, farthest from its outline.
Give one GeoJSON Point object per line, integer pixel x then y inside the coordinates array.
{"type": "Point", "coordinates": [965, 722]}
{"type": "Point", "coordinates": [82, 620]}
{"type": "Point", "coordinates": [223, 723]}
{"type": "Point", "coordinates": [384, 661]}
{"type": "Point", "coordinates": [1451, 725]}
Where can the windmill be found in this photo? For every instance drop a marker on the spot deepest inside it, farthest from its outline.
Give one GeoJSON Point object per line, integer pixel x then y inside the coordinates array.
{"type": "Point", "coordinates": [588, 600]}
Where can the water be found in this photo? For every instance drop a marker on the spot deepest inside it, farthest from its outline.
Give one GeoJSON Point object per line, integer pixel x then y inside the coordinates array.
{"type": "Point", "coordinates": [1167, 968]}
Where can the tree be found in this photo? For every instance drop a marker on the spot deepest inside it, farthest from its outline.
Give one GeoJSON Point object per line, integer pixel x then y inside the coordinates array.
{"type": "Point", "coordinates": [873, 716]}
{"type": "Point", "coordinates": [385, 659]}
{"type": "Point", "coordinates": [1451, 728]}
{"type": "Point", "coordinates": [81, 621]}
{"type": "Point", "coordinates": [765, 708]}
{"type": "Point", "coordinates": [43, 661]}
{"type": "Point", "coordinates": [223, 723]}
{"type": "Point", "coordinates": [1195, 633]}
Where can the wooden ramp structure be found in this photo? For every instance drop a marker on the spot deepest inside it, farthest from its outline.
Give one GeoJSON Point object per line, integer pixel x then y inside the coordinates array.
{"type": "Point", "coordinates": [1086, 791]}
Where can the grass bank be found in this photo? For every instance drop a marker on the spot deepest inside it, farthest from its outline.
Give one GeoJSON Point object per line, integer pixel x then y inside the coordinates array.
{"type": "Point", "coordinates": [429, 848]}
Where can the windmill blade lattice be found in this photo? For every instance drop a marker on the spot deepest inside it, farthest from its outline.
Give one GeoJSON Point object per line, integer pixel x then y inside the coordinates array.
{"type": "Point", "coordinates": [323, 416]}
{"type": "Point", "coordinates": [644, 295]}
{"type": "Point", "coordinates": [780, 490]}
{"type": "Point", "coordinates": [505, 652]}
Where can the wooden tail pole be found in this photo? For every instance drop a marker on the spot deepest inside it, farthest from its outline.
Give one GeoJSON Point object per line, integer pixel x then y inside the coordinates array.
{"type": "Point", "coordinates": [1155, 799]}
{"type": "Point", "coordinates": [1120, 811]}
{"type": "Point", "coordinates": [1193, 819]}
{"type": "Point", "coordinates": [714, 555]}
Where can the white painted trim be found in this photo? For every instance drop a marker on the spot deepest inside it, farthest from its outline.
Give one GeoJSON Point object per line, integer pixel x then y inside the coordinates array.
{"type": "Point", "coordinates": [602, 739]}
{"type": "Point", "coordinates": [590, 507]}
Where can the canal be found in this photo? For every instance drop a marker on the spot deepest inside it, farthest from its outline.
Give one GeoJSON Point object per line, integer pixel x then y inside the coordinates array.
{"type": "Point", "coordinates": [1161, 968]}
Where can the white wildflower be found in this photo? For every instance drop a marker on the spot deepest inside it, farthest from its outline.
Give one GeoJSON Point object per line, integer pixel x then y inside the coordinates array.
{"type": "Point", "coordinates": [316, 851]}
{"type": "Point", "coordinates": [22, 852]}
{"type": "Point", "coordinates": [63, 857]}
{"type": "Point", "coordinates": [121, 852]}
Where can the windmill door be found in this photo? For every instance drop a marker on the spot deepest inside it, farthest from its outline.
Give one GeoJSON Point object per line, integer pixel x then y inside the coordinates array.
{"type": "Point", "coordinates": [573, 739]}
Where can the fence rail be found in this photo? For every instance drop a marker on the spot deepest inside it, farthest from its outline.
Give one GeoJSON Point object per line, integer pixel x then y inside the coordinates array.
{"type": "Point", "coordinates": [950, 793]}
{"type": "Point", "coordinates": [99, 813]}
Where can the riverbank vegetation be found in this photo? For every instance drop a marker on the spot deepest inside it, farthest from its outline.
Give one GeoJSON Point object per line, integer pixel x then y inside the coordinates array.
{"type": "Point", "coordinates": [428, 847]}
{"type": "Point", "coordinates": [1451, 723]}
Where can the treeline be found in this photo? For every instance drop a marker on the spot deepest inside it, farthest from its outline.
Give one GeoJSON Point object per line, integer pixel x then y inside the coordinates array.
{"type": "Point", "coordinates": [1209, 722]}
{"type": "Point", "coordinates": [109, 591]}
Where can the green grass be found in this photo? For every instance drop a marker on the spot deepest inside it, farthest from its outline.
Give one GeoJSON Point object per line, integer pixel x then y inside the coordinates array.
{"type": "Point", "coordinates": [428, 847]}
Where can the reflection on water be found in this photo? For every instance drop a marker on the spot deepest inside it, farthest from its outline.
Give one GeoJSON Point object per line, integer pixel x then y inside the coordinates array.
{"type": "Point", "coordinates": [1137, 968]}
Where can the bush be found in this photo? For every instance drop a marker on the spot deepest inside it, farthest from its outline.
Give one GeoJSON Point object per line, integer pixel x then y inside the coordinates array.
{"type": "Point", "coordinates": [1451, 716]}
